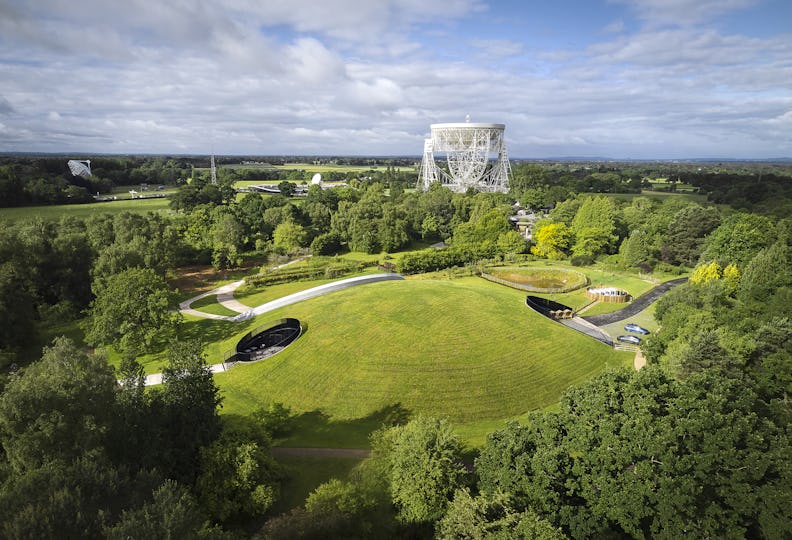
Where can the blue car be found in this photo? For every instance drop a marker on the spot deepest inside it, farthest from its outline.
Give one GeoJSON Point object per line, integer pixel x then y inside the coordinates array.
{"type": "Point", "coordinates": [635, 328]}
{"type": "Point", "coordinates": [634, 340]}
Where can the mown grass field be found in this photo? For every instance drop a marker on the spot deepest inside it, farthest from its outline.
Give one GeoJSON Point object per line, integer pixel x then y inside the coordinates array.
{"type": "Point", "coordinates": [85, 210]}
{"type": "Point", "coordinates": [466, 349]}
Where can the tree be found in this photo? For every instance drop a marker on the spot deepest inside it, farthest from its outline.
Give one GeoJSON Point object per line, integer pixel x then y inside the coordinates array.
{"type": "Point", "coordinates": [239, 477]}
{"type": "Point", "coordinates": [286, 188]}
{"type": "Point", "coordinates": [57, 408]}
{"type": "Point", "coordinates": [644, 455]}
{"type": "Point", "coordinates": [326, 244]}
{"type": "Point", "coordinates": [392, 228]}
{"type": "Point", "coordinates": [511, 242]}
{"type": "Point", "coordinates": [767, 272]}
{"type": "Point", "coordinates": [189, 402]}
{"type": "Point", "coordinates": [551, 240]}
{"type": "Point", "coordinates": [634, 250]}
{"type": "Point", "coordinates": [172, 513]}
{"type": "Point", "coordinates": [423, 465]}
{"type": "Point", "coordinates": [16, 308]}
{"type": "Point", "coordinates": [227, 234]}
{"type": "Point", "coordinates": [738, 239]}
{"type": "Point", "coordinates": [132, 311]}
{"type": "Point", "coordinates": [483, 227]}
{"type": "Point", "coordinates": [686, 233]}
{"type": "Point", "coordinates": [62, 499]}
{"type": "Point", "coordinates": [594, 227]}
{"type": "Point", "coordinates": [491, 516]}
{"type": "Point", "coordinates": [705, 273]}
{"type": "Point", "coordinates": [289, 237]}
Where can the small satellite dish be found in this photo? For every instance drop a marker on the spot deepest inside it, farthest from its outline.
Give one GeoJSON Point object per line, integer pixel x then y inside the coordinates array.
{"type": "Point", "coordinates": [316, 180]}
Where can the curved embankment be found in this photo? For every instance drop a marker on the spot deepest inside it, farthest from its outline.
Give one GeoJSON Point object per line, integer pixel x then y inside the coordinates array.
{"type": "Point", "coordinates": [184, 307]}
{"type": "Point", "coordinates": [312, 293]}
{"type": "Point", "coordinates": [225, 297]}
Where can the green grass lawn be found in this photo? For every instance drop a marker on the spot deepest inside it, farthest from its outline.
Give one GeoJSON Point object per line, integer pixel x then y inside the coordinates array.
{"type": "Point", "coordinates": [209, 304]}
{"type": "Point", "coordinates": [467, 349]}
{"type": "Point", "coordinates": [85, 210]}
{"type": "Point", "coordinates": [305, 474]}
{"type": "Point", "coordinates": [634, 285]}
{"type": "Point", "coordinates": [644, 318]}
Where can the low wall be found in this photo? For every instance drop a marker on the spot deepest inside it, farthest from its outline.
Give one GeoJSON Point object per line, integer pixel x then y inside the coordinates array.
{"type": "Point", "coordinates": [531, 288]}
{"type": "Point", "coordinates": [608, 295]}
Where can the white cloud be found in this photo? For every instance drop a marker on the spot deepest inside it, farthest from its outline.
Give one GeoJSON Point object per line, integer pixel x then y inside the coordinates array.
{"type": "Point", "coordinates": [683, 12]}
{"type": "Point", "coordinates": [497, 48]}
{"type": "Point", "coordinates": [349, 77]}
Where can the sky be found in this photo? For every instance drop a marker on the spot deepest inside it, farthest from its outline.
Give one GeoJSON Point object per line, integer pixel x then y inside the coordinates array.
{"type": "Point", "coordinates": [630, 79]}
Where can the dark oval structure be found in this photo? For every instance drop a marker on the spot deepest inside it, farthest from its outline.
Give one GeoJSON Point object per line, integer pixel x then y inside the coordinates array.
{"type": "Point", "coordinates": [266, 340]}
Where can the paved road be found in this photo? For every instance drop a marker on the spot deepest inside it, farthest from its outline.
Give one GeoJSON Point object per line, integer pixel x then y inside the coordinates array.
{"type": "Point", "coordinates": [636, 306]}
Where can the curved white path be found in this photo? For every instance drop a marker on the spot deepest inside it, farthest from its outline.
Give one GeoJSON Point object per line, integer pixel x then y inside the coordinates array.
{"type": "Point", "coordinates": [247, 313]}
{"type": "Point", "coordinates": [225, 296]}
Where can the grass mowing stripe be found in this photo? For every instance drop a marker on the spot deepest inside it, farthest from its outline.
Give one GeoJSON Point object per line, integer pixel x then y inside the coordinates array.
{"type": "Point", "coordinates": [466, 349]}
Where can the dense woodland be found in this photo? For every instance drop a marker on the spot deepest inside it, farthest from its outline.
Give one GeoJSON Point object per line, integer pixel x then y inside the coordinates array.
{"type": "Point", "coordinates": [696, 444]}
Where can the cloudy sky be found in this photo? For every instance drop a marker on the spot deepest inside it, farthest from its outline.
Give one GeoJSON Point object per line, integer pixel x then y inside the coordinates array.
{"type": "Point", "coordinates": [616, 78]}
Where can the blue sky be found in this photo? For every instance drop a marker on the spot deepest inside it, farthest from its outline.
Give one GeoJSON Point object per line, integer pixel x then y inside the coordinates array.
{"type": "Point", "coordinates": [641, 79]}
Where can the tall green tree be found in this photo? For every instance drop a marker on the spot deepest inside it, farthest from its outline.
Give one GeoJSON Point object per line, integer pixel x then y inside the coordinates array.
{"type": "Point", "coordinates": [132, 311]}
{"type": "Point", "coordinates": [686, 233]}
{"type": "Point", "coordinates": [644, 455]}
{"type": "Point", "coordinates": [594, 227]}
{"type": "Point", "coordinates": [423, 464]}
{"type": "Point", "coordinates": [738, 239]}
{"type": "Point", "coordinates": [189, 400]}
{"type": "Point", "coordinates": [172, 513]}
{"type": "Point", "coordinates": [491, 516]}
{"type": "Point", "coordinates": [58, 408]}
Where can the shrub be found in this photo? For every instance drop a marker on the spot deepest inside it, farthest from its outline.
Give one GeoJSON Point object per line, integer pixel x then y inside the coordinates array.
{"type": "Point", "coordinates": [582, 260]}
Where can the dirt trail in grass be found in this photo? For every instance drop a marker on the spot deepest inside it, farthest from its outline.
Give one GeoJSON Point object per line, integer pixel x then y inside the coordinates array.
{"type": "Point", "coordinates": [358, 453]}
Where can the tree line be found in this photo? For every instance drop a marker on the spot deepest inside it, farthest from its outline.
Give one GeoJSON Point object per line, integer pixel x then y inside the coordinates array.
{"type": "Point", "coordinates": [696, 444]}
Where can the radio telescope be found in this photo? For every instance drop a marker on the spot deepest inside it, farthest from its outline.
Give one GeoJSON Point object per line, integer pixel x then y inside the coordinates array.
{"type": "Point", "coordinates": [80, 167]}
{"type": "Point", "coordinates": [468, 148]}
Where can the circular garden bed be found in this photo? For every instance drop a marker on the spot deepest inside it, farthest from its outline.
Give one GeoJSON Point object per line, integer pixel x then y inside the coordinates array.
{"type": "Point", "coordinates": [540, 280]}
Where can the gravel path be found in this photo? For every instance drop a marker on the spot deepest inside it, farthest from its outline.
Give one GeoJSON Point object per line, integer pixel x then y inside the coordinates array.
{"type": "Point", "coordinates": [636, 306]}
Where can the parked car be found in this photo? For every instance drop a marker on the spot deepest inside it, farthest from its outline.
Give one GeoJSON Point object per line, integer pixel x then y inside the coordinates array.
{"type": "Point", "coordinates": [634, 340]}
{"type": "Point", "coordinates": [635, 328]}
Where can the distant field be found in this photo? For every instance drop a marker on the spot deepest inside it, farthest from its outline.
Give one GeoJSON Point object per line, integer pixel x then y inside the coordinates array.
{"type": "Point", "coordinates": [467, 349]}
{"type": "Point", "coordinates": [692, 197]}
{"type": "Point", "coordinates": [85, 210]}
{"type": "Point", "coordinates": [309, 167]}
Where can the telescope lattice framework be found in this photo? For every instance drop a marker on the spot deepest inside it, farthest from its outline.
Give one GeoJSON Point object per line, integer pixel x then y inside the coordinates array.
{"type": "Point", "coordinates": [80, 167]}
{"type": "Point", "coordinates": [468, 149]}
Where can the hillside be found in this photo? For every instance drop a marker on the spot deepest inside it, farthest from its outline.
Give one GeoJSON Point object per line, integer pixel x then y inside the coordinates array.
{"type": "Point", "coordinates": [467, 350]}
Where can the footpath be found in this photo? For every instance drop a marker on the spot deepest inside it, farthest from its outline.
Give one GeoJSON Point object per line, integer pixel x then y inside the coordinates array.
{"type": "Point", "coordinates": [246, 312]}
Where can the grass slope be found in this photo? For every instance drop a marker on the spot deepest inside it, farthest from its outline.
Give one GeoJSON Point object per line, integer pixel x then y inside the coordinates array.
{"type": "Point", "coordinates": [468, 350]}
